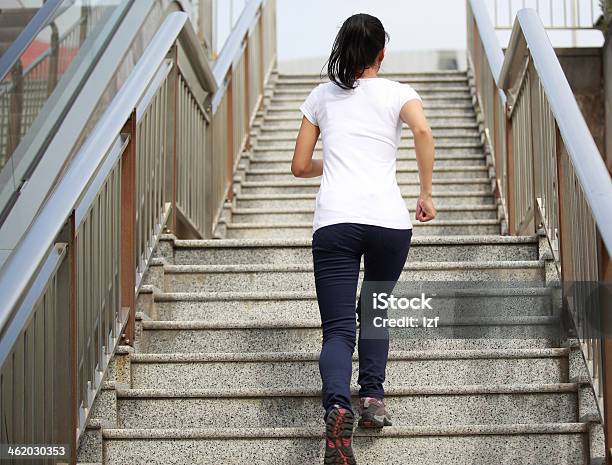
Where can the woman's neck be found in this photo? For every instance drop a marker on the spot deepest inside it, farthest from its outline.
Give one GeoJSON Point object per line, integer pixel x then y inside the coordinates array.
{"type": "Point", "coordinates": [368, 74]}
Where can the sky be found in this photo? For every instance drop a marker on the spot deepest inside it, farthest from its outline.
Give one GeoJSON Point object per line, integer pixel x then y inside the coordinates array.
{"type": "Point", "coordinates": [307, 29]}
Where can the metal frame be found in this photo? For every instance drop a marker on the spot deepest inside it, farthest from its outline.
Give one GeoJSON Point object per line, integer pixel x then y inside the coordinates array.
{"type": "Point", "coordinates": [570, 14]}
{"type": "Point", "coordinates": [150, 155]}
{"type": "Point", "coordinates": [555, 181]}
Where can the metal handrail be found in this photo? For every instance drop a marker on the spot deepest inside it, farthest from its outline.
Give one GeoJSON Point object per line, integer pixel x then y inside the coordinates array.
{"type": "Point", "coordinates": [490, 42]}
{"type": "Point", "coordinates": [551, 177]}
{"type": "Point", "coordinates": [232, 47]}
{"type": "Point", "coordinates": [587, 161]}
{"type": "Point", "coordinates": [23, 262]}
{"type": "Point", "coordinates": [47, 12]}
{"type": "Point", "coordinates": [156, 157]}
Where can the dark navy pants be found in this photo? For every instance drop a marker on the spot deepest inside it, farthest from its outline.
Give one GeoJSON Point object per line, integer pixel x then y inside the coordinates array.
{"type": "Point", "coordinates": [337, 250]}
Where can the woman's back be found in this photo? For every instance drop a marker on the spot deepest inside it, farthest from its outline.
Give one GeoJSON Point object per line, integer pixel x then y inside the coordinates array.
{"type": "Point", "coordinates": [360, 130]}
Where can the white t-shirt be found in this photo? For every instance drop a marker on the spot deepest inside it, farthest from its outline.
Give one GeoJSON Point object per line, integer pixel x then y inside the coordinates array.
{"type": "Point", "coordinates": [360, 132]}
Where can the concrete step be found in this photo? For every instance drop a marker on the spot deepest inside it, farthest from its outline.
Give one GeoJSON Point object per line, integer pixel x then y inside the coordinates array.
{"type": "Point", "coordinates": [266, 133]}
{"type": "Point", "coordinates": [443, 118]}
{"type": "Point", "coordinates": [429, 104]}
{"type": "Point", "coordinates": [455, 152]}
{"type": "Point", "coordinates": [282, 162]}
{"type": "Point", "coordinates": [454, 333]}
{"type": "Point", "coordinates": [296, 215]}
{"type": "Point", "coordinates": [435, 125]}
{"type": "Point", "coordinates": [402, 174]}
{"type": "Point", "coordinates": [287, 230]}
{"type": "Point", "coordinates": [433, 87]}
{"type": "Point", "coordinates": [307, 200]}
{"type": "Point", "coordinates": [424, 90]}
{"type": "Point", "coordinates": [474, 145]}
{"type": "Point", "coordinates": [283, 251]}
{"type": "Point", "coordinates": [527, 444]}
{"type": "Point", "coordinates": [271, 307]}
{"type": "Point", "coordinates": [424, 82]}
{"type": "Point", "coordinates": [438, 111]}
{"type": "Point", "coordinates": [276, 408]}
{"type": "Point", "coordinates": [429, 75]}
{"type": "Point", "coordinates": [438, 98]}
{"type": "Point", "coordinates": [409, 187]}
{"type": "Point", "coordinates": [211, 278]}
{"type": "Point", "coordinates": [300, 369]}
{"type": "Point", "coordinates": [406, 140]}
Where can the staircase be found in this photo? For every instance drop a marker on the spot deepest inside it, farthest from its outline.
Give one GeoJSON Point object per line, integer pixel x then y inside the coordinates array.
{"type": "Point", "coordinates": [224, 367]}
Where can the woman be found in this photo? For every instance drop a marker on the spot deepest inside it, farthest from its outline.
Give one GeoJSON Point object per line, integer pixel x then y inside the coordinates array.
{"type": "Point", "coordinates": [359, 211]}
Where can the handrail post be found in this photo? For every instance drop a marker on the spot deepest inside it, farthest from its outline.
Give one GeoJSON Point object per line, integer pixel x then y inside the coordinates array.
{"type": "Point", "coordinates": [605, 278]}
{"type": "Point", "coordinates": [230, 136]}
{"type": "Point", "coordinates": [172, 161]}
{"type": "Point", "coordinates": [53, 59]}
{"type": "Point", "coordinates": [510, 172]}
{"type": "Point", "coordinates": [128, 230]}
{"type": "Point", "coordinates": [247, 78]}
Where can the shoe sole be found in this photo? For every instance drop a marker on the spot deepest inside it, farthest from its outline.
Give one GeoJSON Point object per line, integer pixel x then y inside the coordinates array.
{"type": "Point", "coordinates": [338, 438]}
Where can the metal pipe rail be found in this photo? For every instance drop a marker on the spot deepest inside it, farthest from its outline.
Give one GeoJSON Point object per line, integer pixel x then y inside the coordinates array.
{"type": "Point", "coordinates": [560, 15]}
{"type": "Point", "coordinates": [555, 179]}
{"type": "Point", "coordinates": [69, 288]}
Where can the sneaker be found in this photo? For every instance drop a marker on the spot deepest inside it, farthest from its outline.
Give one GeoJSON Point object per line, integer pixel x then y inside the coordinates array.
{"type": "Point", "coordinates": [339, 437]}
{"type": "Point", "coordinates": [373, 413]}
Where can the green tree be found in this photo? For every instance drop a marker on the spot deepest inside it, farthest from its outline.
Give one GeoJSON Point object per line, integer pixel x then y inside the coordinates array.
{"type": "Point", "coordinates": [603, 22]}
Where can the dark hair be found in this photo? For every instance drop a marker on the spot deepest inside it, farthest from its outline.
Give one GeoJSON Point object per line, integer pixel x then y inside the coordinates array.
{"type": "Point", "coordinates": [358, 43]}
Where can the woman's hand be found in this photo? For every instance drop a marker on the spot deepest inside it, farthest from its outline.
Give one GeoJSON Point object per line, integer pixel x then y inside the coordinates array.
{"type": "Point", "coordinates": [425, 209]}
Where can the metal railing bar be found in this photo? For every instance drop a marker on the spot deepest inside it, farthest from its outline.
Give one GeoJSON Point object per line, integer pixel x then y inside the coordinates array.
{"type": "Point", "coordinates": [233, 44]}
{"type": "Point", "coordinates": [39, 21]}
{"type": "Point", "coordinates": [156, 83]}
{"type": "Point", "coordinates": [493, 49]}
{"type": "Point", "coordinates": [31, 249]}
{"type": "Point", "coordinates": [586, 159]}
{"type": "Point", "coordinates": [204, 72]}
{"type": "Point", "coordinates": [50, 265]}
{"type": "Point", "coordinates": [112, 158]}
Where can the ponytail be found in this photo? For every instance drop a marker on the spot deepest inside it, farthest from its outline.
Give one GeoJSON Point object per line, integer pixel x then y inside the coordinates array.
{"type": "Point", "coordinates": [358, 43]}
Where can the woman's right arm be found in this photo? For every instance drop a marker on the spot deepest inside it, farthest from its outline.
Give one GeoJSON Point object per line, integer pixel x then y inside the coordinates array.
{"type": "Point", "coordinates": [413, 115]}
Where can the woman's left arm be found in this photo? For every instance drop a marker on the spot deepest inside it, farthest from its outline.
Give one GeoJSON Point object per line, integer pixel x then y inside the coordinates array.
{"type": "Point", "coordinates": [302, 165]}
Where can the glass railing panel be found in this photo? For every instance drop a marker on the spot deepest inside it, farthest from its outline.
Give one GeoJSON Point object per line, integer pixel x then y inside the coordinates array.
{"type": "Point", "coordinates": [31, 81]}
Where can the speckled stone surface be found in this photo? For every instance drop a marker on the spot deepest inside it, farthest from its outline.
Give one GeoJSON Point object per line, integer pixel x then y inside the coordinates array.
{"type": "Point", "coordinates": [306, 200]}
{"type": "Point", "coordinates": [306, 187]}
{"type": "Point", "coordinates": [233, 343]}
{"type": "Point", "coordinates": [527, 449]}
{"type": "Point", "coordinates": [90, 446]}
{"type": "Point", "coordinates": [191, 278]}
{"type": "Point", "coordinates": [279, 373]}
{"type": "Point", "coordinates": [239, 308]}
{"type": "Point", "coordinates": [300, 251]}
{"type": "Point", "coordinates": [279, 336]}
{"type": "Point", "coordinates": [183, 411]}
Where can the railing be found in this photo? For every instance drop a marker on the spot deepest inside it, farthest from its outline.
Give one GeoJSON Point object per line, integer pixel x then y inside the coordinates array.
{"type": "Point", "coordinates": [555, 14]}
{"type": "Point", "coordinates": [25, 89]}
{"type": "Point", "coordinates": [555, 179]}
{"type": "Point", "coordinates": [69, 287]}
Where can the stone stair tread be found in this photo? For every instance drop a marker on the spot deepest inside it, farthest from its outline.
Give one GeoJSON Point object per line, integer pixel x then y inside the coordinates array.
{"type": "Point", "coordinates": [454, 145]}
{"type": "Point", "coordinates": [303, 324]}
{"type": "Point", "coordinates": [393, 391]}
{"type": "Point", "coordinates": [318, 182]}
{"type": "Point", "coordinates": [471, 354]}
{"type": "Point", "coordinates": [454, 208]}
{"type": "Point", "coordinates": [390, 431]}
{"type": "Point", "coordinates": [416, 224]}
{"type": "Point", "coordinates": [493, 264]}
{"type": "Point", "coordinates": [298, 295]}
{"type": "Point", "coordinates": [306, 242]}
{"type": "Point", "coordinates": [445, 169]}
